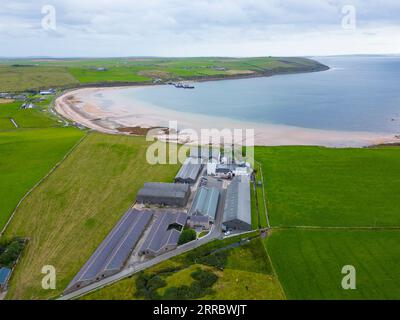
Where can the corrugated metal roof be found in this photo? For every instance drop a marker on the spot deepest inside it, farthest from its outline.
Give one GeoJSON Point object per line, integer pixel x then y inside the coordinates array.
{"type": "Point", "coordinates": [189, 170]}
{"type": "Point", "coordinates": [238, 202]}
{"type": "Point", "coordinates": [158, 189]}
{"type": "Point", "coordinates": [111, 255]}
{"type": "Point", "coordinates": [205, 202]}
{"type": "Point", "coordinates": [166, 186]}
{"type": "Point", "coordinates": [161, 235]}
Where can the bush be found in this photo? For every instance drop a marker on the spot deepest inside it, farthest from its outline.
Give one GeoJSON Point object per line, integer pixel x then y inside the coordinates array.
{"type": "Point", "coordinates": [10, 252]}
{"type": "Point", "coordinates": [216, 259]}
{"type": "Point", "coordinates": [147, 285]}
{"type": "Point", "coordinates": [206, 279]}
{"type": "Point", "coordinates": [187, 235]}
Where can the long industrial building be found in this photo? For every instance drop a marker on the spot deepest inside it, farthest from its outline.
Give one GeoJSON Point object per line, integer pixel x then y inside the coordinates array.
{"type": "Point", "coordinates": [167, 194]}
{"type": "Point", "coordinates": [205, 203]}
{"type": "Point", "coordinates": [164, 234]}
{"type": "Point", "coordinates": [110, 257]}
{"type": "Point", "coordinates": [189, 171]}
{"type": "Point", "coordinates": [237, 210]}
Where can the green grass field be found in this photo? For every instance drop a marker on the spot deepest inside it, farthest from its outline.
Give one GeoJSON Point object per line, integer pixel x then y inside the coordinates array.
{"type": "Point", "coordinates": [309, 263]}
{"type": "Point", "coordinates": [29, 151]}
{"type": "Point", "coordinates": [26, 156]}
{"type": "Point", "coordinates": [114, 74]}
{"type": "Point", "coordinates": [20, 78]}
{"type": "Point", "coordinates": [23, 74]}
{"type": "Point", "coordinates": [258, 214]}
{"type": "Point", "coordinates": [72, 211]}
{"type": "Point", "coordinates": [247, 275]}
{"type": "Point", "coordinates": [28, 118]}
{"type": "Point", "coordinates": [311, 186]}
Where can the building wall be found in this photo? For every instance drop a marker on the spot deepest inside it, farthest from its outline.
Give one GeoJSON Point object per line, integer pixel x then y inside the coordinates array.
{"type": "Point", "coordinates": [169, 201]}
{"type": "Point", "coordinates": [236, 225]}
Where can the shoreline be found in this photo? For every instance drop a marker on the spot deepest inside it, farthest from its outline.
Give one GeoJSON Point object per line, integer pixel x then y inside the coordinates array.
{"type": "Point", "coordinates": [80, 106]}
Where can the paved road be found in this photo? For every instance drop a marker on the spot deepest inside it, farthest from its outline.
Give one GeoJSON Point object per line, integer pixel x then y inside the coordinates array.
{"type": "Point", "coordinates": [213, 234]}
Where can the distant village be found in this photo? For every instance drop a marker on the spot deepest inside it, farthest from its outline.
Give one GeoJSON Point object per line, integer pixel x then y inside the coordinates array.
{"type": "Point", "coordinates": [26, 98]}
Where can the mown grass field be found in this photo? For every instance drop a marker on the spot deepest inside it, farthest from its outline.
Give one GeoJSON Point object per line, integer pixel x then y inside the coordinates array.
{"type": "Point", "coordinates": [20, 78]}
{"type": "Point", "coordinates": [246, 275]}
{"type": "Point", "coordinates": [312, 186]}
{"type": "Point", "coordinates": [113, 74]}
{"type": "Point", "coordinates": [27, 156]}
{"type": "Point", "coordinates": [29, 118]}
{"type": "Point", "coordinates": [309, 263]}
{"type": "Point", "coordinates": [28, 152]}
{"type": "Point", "coordinates": [72, 211]}
{"type": "Point", "coordinates": [23, 74]}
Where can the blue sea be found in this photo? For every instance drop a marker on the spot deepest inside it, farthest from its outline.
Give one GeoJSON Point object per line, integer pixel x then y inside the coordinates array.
{"type": "Point", "coordinates": [358, 93]}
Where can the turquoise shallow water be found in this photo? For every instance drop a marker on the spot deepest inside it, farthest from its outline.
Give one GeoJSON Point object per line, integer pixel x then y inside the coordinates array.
{"type": "Point", "coordinates": [357, 94]}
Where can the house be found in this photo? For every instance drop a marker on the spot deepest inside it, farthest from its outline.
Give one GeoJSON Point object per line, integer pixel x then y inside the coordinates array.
{"type": "Point", "coordinates": [202, 222]}
{"type": "Point", "coordinates": [46, 93]}
{"type": "Point", "coordinates": [28, 105]}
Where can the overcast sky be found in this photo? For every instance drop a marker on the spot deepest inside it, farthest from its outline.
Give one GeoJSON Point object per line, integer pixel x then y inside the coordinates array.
{"type": "Point", "coordinates": [198, 27]}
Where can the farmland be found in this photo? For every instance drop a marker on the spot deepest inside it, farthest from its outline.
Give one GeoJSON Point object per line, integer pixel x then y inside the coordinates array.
{"type": "Point", "coordinates": [29, 151]}
{"type": "Point", "coordinates": [70, 213]}
{"type": "Point", "coordinates": [23, 74]}
{"type": "Point", "coordinates": [312, 186]}
{"type": "Point", "coordinates": [309, 263]}
{"type": "Point", "coordinates": [20, 78]}
{"type": "Point", "coordinates": [29, 118]}
{"type": "Point", "coordinates": [342, 206]}
{"type": "Point", "coordinates": [26, 156]}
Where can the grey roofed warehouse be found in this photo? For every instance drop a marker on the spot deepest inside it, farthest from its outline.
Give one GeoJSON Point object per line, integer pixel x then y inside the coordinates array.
{"type": "Point", "coordinates": [189, 171]}
{"type": "Point", "coordinates": [169, 194]}
{"type": "Point", "coordinates": [110, 257]}
{"type": "Point", "coordinates": [237, 210]}
{"type": "Point", "coordinates": [164, 233]}
{"type": "Point", "coordinates": [205, 202]}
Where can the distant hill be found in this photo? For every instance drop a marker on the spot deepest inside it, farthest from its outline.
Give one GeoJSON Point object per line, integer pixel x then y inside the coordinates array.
{"type": "Point", "coordinates": [42, 73]}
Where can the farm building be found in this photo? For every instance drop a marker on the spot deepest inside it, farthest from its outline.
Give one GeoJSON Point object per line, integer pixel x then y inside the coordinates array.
{"type": "Point", "coordinates": [5, 274]}
{"type": "Point", "coordinates": [189, 171]}
{"type": "Point", "coordinates": [199, 222]}
{"type": "Point", "coordinates": [205, 203]}
{"type": "Point", "coordinates": [110, 257]}
{"type": "Point", "coordinates": [237, 210]}
{"type": "Point", "coordinates": [168, 194]}
{"type": "Point", "coordinates": [164, 234]}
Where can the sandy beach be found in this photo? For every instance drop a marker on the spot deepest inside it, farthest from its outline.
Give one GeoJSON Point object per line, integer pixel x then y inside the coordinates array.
{"type": "Point", "coordinates": [115, 116]}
